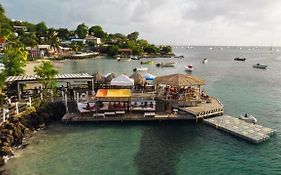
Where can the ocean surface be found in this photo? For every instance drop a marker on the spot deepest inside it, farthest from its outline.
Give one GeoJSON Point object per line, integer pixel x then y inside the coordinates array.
{"type": "Point", "coordinates": [169, 148]}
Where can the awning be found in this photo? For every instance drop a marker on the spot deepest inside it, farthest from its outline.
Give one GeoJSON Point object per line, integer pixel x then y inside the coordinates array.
{"type": "Point", "coordinates": [113, 93]}
{"type": "Point", "coordinates": [122, 80]}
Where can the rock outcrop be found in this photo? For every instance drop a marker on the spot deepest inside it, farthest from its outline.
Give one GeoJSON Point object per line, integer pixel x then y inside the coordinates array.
{"type": "Point", "coordinates": [14, 131]}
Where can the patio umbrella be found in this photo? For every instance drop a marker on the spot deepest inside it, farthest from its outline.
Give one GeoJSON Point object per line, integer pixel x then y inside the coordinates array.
{"type": "Point", "coordinates": [179, 80]}
{"type": "Point", "coordinates": [138, 78]}
{"type": "Point", "coordinates": [109, 77]}
{"type": "Point", "coordinates": [99, 78]}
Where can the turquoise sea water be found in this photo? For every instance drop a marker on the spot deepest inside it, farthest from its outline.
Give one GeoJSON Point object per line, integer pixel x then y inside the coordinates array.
{"type": "Point", "coordinates": [169, 148]}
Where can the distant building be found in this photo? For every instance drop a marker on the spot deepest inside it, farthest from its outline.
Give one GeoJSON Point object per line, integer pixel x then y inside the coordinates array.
{"type": "Point", "coordinates": [125, 52]}
{"type": "Point", "coordinates": [2, 43]}
{"type": "Point", "coordinates": [78, 40]}
{"type": "Point", "coordinates": [40, 51]}
{"type": "Point", "coordinates": [20, 28]}
{"type": "Point", "coordinates": [93, 39]}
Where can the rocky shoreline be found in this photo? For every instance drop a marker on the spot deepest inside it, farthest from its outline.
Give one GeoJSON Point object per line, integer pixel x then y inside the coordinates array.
{"type": "Point", "coordinates": [14, 131]}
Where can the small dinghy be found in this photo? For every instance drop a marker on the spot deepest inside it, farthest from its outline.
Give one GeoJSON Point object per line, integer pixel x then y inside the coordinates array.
{"type": "Point", "coordinates": [140, 69]}
{"type": "Point", "coordinates": [248, 118]}
{"type": "Point", "coordinates": [189, 68]}
{"type": "Point", "coordinates": [205, 60]}
{"type": "Point", "coordinates": [259, 66]}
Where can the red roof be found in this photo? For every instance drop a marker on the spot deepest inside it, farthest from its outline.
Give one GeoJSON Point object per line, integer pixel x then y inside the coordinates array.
{"type": "Point", "coordinates": [2, 40]}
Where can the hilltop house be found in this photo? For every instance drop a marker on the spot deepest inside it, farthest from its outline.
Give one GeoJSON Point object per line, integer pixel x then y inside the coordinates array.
{"type": "Point", "coordinates": [93, 39]}
{"type": "Point", "coordinates": [20, 28]}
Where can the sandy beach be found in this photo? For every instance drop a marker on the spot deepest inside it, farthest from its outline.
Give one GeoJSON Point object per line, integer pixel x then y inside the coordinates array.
{"type": "Point", "coordinates": [29, 68]}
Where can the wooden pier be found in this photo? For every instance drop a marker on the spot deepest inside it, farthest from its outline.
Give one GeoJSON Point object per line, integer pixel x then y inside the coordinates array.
{"type": "Point", "coordinates": [205, 110]}
{"type": "Point", "coordinates": [251, 132]}
{"type": "Point", "coordinates": [102, 117]}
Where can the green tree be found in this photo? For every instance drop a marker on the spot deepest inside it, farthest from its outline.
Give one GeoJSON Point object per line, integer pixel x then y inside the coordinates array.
{"type": "Point", "coordinates": [2, 81]}
{"type": "Point", "coordinates": [15, 54]}
{"type": "Point", "coordinates": [52, 38]}
{"type": "Point", "coordinates": [166, 49]}
{"type": "Point", "coordinates": [4, 21]}
{"type": "Point", "coordinates": [134, 46]}
{"type": "Point", "coordinates": [77, 46]}
{"type": "Point", "coordinates": [97, 31]}
{"type": "Point", "coordinates": [151, 49]}
{"type": "Point", "coordinates": [133, 36]}
{"type": "Point", "coordinates": [14, 60]}
{"type": "Point", "coordinates": [63, 33]}
{"type": "Point", "coordinates": [30, 27]}
{"type": "Point", "coordinates": [82, 30]}
{"type": "Point", "coordinates": [47, 73]}
{"type": "Point", "coordinates": [41, 29]}
{"type": "Point", "coordinates": [112, 50]}
{"type": "Point", "coordinates": [29, 40]}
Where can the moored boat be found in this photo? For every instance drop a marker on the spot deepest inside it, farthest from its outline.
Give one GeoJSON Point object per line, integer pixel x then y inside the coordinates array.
{"type": "Point", "coordinates": [147, 62]}
{"type": "Point", "coordinates": [259, 66]}
{"type": "Point", "coordinates": [189, 68]}
{"type": "Point", "coordinates": [239, 59]}
{"type": "Point", "coordinates": [205, 60]}
{"type": "Point", "coordinates": [140, 69]}
{"type": "Point", "coordinates": [135, 58]}
{"type": "Point", "coordinates": [168, 64]}
{"type": "Point", "coordinates": [180, 56]}
{"type": "Point", "coordinates": [248, 118]}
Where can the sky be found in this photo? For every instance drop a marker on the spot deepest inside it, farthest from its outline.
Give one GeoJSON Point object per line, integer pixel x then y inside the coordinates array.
{"type": "Point", "coordinates": [174, 22]}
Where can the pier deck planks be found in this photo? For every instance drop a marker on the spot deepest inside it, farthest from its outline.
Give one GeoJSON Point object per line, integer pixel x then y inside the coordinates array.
{"type": "Point", "coordinates": [251, 132]}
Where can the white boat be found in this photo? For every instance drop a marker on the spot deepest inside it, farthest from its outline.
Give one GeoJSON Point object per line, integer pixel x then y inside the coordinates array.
{"type": "Point", "coordinates": [259, 66]}
{"type": "Point", "coordinates": [205, 60]}
{"type": "Point", "coordinates": [140, 69]}
{"type": "Point", "coordinates": [149, 76]}
{"type": "Point", "coordinates": [248, 118]}
{"type": "Point", "coordinates": [135, 57]}
{"type": "Point", "coordinates": [189, 68]}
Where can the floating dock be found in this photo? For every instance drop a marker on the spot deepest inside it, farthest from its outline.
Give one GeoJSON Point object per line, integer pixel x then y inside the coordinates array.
{"type": "Point", "coordinates": [251, 132]}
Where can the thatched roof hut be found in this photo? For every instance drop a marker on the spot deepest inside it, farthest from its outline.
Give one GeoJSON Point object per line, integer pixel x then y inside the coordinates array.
{"type": "Point", "coordinates": [99, 78]}
{"type": "Point", "coordinates": [138, 78]}
{"type": "Point", "coordinates": [179, 80]}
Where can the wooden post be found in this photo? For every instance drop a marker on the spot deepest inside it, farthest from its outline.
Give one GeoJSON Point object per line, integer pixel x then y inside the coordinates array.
{"type": "Point", "coordinates": [4, 115]}
{"type": "Point", "coordinates": [62, 95]}
{"type": "Point", "coordinates": [52, 96]}
{"type": "Point", "coordinates": [77, 97]}
{"type": "Point", "coordinates": [65, 99]}
{"type": "Point", "coordinates": [19, 91]}
{"type": "Point", "coordinates": [17, 107]}
{"type": "Point", "coordinates": [29, 101]}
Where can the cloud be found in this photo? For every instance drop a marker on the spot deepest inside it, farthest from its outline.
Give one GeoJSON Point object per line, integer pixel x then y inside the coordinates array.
{"type": "Point", "coordinates": [200, 22]}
